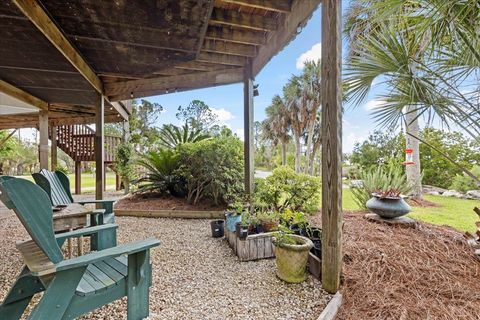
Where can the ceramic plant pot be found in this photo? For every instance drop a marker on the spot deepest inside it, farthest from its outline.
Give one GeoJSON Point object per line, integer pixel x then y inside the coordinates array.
{"type": "Point", "coordinates": [291, 259]}
{"type": "Point", "coordinates": [389, 207]}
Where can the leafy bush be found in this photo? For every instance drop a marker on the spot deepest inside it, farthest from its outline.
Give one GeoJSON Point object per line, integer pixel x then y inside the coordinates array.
{"type": "Point", "coordinates": [386, 181]}
{"type": "Point", "coordinates": [213, 168]}
{"type": "Point", "coordinates": [285, 189]}
{"type": "Point", "coordinates": [161, 174]}
{"type": "Point", "coordinates": [124, 164]}
{"type": "Point", "coordinates": [463, 182]}
{"type": "Point", "coordinates": [63, 169]}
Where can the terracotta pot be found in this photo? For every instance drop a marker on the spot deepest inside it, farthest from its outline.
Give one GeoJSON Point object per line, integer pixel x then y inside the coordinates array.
{"type": "Point", "coordinates": [270, 226]}
{"type": "Point", "coordinates": [292, 259]}
{"type": "Point", "coordinates": [388, 208]}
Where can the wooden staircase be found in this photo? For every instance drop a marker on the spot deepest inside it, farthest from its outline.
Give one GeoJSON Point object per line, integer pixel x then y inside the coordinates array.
{"type": "Point", "coordinates": [78, 142]}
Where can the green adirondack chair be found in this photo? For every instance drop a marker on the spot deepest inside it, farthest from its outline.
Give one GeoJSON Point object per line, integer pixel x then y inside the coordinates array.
{"type": "Point", "coordinates": [57, 186]}
{"type": "Point", "coordinates": [76, 286]}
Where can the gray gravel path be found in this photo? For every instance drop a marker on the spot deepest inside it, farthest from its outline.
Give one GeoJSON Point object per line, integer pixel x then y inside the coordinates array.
{"type": "Point", "coordinates": [194, 276]}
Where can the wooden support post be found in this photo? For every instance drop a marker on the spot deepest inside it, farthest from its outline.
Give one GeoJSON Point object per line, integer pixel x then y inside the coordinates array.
{"type": "Point", "coordinates": [248, 129]}
{"type": "Point", "coordinates": [54, 151]}
{"type": "Point", "coordinates": [78, 177]}
{"type": "Point", "coordinates": [118, 182]}
{"type": "Point", "coordinates": [99, 147]}
{"type": "Point", "coordinates": [332, 214]}
{"type": "Point", "coordinates": [43, 146]}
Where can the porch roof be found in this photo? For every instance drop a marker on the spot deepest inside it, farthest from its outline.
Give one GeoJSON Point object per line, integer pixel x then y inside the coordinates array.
{"type": "Point", "coordinates": [58, 55]}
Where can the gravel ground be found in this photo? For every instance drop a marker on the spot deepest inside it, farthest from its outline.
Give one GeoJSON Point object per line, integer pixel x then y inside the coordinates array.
{"type": "Point", "coordinates": [194, 276]}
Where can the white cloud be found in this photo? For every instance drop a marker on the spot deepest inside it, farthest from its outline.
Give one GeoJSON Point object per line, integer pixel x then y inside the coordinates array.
{"type": "Point", "coordinates": [373, 104]}
{"type": "Point", "coordinates": [350, 139]}
{"type": "Point", "coordinates": [314, 54]}
{"type": "Point", "coordinates": [223, 115]}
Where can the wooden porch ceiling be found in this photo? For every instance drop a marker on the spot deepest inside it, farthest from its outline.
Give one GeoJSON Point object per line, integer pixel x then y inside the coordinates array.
{"type": "Point", "coordinates": [65, 52]}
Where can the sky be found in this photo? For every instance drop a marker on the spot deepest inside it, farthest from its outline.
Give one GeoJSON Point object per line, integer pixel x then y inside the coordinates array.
{"type": "Point", "coordinates": [227, 101]}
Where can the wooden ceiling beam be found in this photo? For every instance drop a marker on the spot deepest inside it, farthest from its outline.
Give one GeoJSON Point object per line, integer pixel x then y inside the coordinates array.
{"type": "Point", "coordinates": [224, 59]}
{"type": "Point", "coordinates": [282, 6]}
{"type": "Point", "coordinates": [236, 35]}
{"type": "Point", "coordinates": [242, 20]}
{"type": "Point", "coordinates": [288, 26]}
{"type": "Point", "coordinates": [224, 47]}
{"type": "Point", "coordinates": [36, 14]}
{"type": "Point", "coordinates": [147, 87]}
{"type": "Point", "coordinates": [22, 95]}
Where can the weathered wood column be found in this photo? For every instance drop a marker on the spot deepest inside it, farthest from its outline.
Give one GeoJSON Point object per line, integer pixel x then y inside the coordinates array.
{"type": "Point", "coordinates": [332, 215]}
{"type": "Point", "coordinates": [54, 150]}
{"type": "Point", "coordinates": [99, 147]}
{"type": "Point", "coordinates": [43, 145]}
{"type": "Point", "coordinates": [78, 177]}
{"type": "Point", "coordinates": [248, 129]}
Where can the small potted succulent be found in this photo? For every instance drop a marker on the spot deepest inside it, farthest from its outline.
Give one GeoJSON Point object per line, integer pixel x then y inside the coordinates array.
{"type": "Point", "coordinates": [387, 200]}
{"type": "Point", "coordinates": [291, 255]}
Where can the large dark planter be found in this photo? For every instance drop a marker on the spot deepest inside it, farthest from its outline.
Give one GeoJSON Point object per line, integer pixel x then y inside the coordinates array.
{"type": "Point", "coordinates": [389, 207]}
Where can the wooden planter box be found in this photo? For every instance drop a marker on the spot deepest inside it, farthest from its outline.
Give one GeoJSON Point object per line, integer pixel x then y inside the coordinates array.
{"type": "Point", "coordinates": [254, 247]}
{"type": "Point", "coordinates": [314, 266]}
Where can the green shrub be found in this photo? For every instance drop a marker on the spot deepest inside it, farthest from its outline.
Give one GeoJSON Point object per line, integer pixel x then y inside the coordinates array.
{"type": "Point", "coordinates": [63, 169]}
{"type": "Point", "coordinates": [285, 189]}
{"type": "Point", "coordinates": [161, 173]}
{"type": "Point", "coordinates": [213, 168]}
{"type": "Point", "coordinates": [463, 182]}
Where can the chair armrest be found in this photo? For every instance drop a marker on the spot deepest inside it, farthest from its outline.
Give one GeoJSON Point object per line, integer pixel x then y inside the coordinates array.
{"type": "Point", "coordinates": [95, 201]}
{"type": "Point", "coordinates": [124, 249]}
{"type": "Point", "coordinates": [84, 231]}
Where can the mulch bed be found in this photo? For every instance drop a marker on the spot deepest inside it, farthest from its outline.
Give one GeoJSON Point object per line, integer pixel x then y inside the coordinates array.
{"type": "Point", "coordinates": [398, 273]}
{"type": "Point", "coordinates": [154, 201]}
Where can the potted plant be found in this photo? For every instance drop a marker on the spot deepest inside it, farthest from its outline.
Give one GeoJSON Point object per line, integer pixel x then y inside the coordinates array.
{"type": "Point", "coordinates": [242, 226]}
{"type": "Point", "coordinates": [315, 234]}
{"type": "Point", "coordinates": [291, 255]}
{"type": "Point", "coordinates": [387, 200]}
{"type": "Point", "coordinates": [268, 221]}
{"type": "Point", "coordinates": [296, 221]}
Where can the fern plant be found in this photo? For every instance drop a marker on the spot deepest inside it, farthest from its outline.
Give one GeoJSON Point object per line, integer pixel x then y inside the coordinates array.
{"type": "Point", "coordinates": [161, 174]}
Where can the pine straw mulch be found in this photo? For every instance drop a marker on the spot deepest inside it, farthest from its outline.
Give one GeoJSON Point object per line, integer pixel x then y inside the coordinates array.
{"type": "Point", "coordinates": [398, 273]}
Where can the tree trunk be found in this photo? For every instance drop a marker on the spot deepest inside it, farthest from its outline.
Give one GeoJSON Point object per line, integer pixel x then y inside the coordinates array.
{"type": "Point", "coordinates": [298, 153]}
{"type": "Point", "coordinates": [315, 148]}
{"type": "Point", "coordinates": [414, 175]}
{"type": "Point", "coordinates": [311, 126]}
{"type": "Point", "coordinates": [284, 153]}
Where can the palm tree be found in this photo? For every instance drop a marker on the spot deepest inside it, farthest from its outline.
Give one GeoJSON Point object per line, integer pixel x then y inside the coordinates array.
{"type": "Point", "coordinates": [171, 136]}
{"type": "Point", "coordinates": [311, 91]}
{"type": "Point", "coordinates": [424, 51]}
{"type": "Point", "coordinates": [276, 126]}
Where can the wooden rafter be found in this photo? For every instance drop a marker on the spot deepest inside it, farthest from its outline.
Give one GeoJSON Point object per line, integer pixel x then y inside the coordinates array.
{"type": "Point", "coordinates": [238, 19]}
{"type": "Point", "coordinates": [36, 14]}
{"type": "Point", "coordinates": [22, 95]}
{"type": "Point", "coordinates": [154, 86]}
{"type": "Point", "coordinates": [288, 25]}
{"type": "Point", "coordinates": [282, 6]}
{"type": "Point", "coordinates": [224, 47]}
{"type": "Point", "coordinates": [225, 59]}
{"type": "Point", "coordinates": [236, 35]}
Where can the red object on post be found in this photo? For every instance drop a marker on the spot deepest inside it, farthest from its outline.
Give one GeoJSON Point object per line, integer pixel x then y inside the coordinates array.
{"type": "Point", "coordinates": [409, 157]}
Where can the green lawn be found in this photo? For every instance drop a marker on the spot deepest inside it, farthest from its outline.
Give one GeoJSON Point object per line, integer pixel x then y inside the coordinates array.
{"type": "Point", "coordinates": [453, 212]}
{"type": "Point", "coordinates": [88, 181]}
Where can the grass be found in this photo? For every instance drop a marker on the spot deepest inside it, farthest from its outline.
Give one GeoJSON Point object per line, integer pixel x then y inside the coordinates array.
{"type": "Point", "coordinates": [88, 181]}
{"type": "Point", "coordinates": [453, 212]}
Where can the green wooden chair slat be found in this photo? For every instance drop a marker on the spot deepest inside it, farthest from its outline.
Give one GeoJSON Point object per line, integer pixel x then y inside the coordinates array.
{"type": "Point", "coordinates": [76, 286]}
